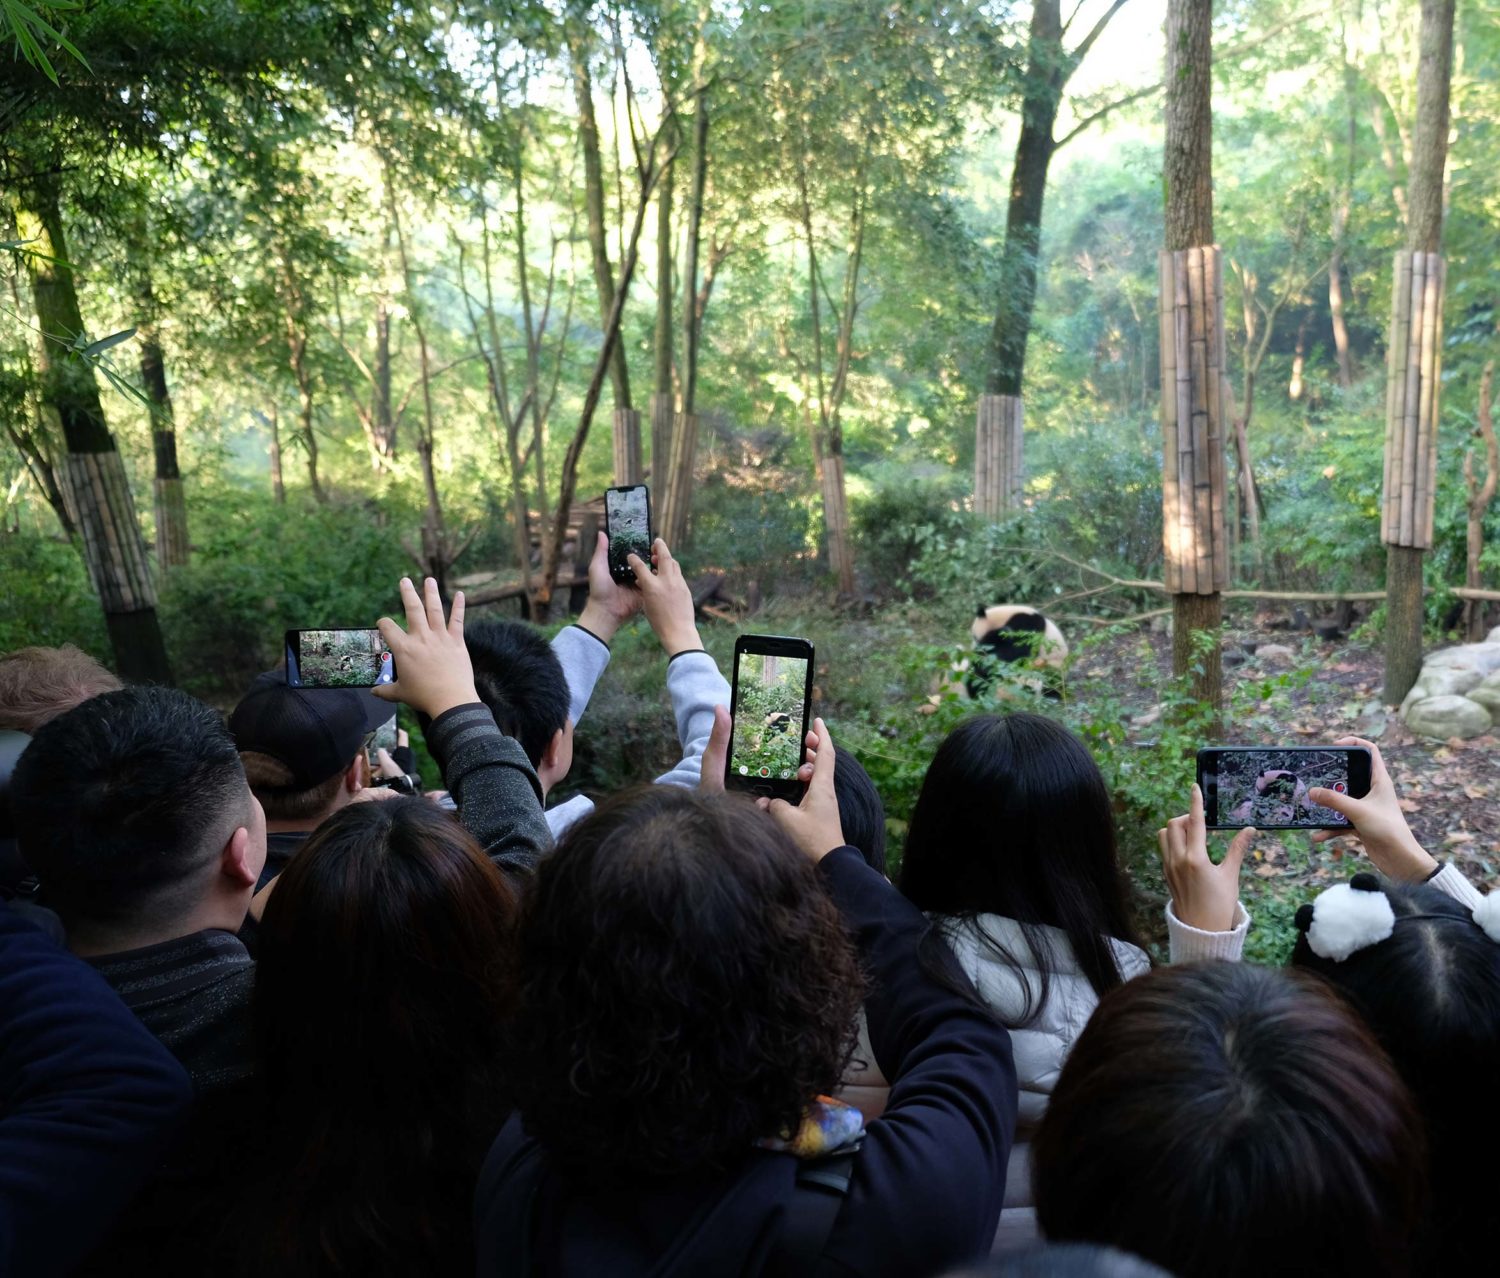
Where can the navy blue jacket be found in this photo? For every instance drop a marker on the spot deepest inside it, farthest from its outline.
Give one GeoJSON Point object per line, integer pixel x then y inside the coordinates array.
{"type": "Point", "coordinates": [927, 1185]}
{"type": "Point", "coordinates": [88, 1101]}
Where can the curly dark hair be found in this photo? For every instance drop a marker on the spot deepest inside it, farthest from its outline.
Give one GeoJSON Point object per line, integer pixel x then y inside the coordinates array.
{"type": "Point", "coordinates": [686, 988]}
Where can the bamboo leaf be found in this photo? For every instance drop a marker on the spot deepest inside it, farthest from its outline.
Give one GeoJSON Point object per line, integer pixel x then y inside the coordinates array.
{"type": "Point", "coordinates": [105, 343]}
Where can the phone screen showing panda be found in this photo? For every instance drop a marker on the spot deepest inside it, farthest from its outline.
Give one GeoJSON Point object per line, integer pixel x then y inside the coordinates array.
{"type": "Point", "coordinates": [1270, 789]}
{"type": "Point", "coordinates": [770, 717]}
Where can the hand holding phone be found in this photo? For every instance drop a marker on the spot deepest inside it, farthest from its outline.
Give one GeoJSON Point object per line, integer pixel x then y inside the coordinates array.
{"type": "Point", "coordinates": [1271, 788]}
{"type": "Point", "coordinates": [436, 673]}
{"type": "Point", "coordinates": [1204, 895]}
{"type": "Point", "coordinates": [815, 825]}
{"type": "Point", "coordinates": [769, 714]}
{"type": "Point", "coordinates": [1378, 821]}
{"type": "Point", "coordinates": [667, 600]}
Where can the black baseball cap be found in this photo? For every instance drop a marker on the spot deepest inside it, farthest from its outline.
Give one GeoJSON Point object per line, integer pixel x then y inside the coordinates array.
{"type": "Point", "coordinates": [315, 732]}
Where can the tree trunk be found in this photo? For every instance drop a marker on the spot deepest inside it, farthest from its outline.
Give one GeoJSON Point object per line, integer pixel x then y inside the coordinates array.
{"type": "Point", "coordinates": [383, 422]}
{"type": "Point", "coordinates": [1424, 194]}
{"type": "Point", "coordinates": [662, 345]}
{"type": "Point", "coordinates": [278, 484]}
{"type": "Point", "coordinates": [172, 546]}
{"type": "Point", "coordinates": [1187, 175]}
{"type": "Point", "coordinates": [593, 187]}
{"type": "Point", "coordinates": [113, 547]}
{"type": "Point", "coordinates": [678, 507]}
{"type": "Point", "coordinates": [1480, 495]}
{"type": "Point", "coordinates": [1041, 97]}
{"type": "Point", "coordinates": [1340, 231]}
{"type": "Point", "coordinates": [295, 317]}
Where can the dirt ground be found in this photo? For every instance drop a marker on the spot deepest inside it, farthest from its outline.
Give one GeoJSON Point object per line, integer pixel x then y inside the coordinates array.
{"type": "Point", "coordinates": [1449, 790]}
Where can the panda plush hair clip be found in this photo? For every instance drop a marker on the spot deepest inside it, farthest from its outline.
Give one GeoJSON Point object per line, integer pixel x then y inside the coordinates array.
{"type": "Point", "coordinates": [1351, 916]}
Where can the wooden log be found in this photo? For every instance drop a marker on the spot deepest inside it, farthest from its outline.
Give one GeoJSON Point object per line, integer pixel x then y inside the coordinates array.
{"type": "Point", "coordinates": [662, 411]}
{"type": "Point", "coordinates": [627, 447]}
{"type": "Point", "coordinates": [1410, 400]}
{"type": "Point", "coordinates": [1167, 323]}
{"type": "Point", "coordinates": [982, 429]}
{"type": "Point", "coordinates": [1394, 382]}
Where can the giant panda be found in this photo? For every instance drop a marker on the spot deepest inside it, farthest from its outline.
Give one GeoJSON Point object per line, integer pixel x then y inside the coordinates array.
{"type": "Point", "coordinates": [1015, 635]}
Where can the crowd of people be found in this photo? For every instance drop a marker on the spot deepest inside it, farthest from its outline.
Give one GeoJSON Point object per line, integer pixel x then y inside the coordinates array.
{"type": "Point", "coordinates": [265, 1011]}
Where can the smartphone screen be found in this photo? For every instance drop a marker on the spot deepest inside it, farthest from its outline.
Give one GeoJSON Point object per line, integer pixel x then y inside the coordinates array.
{"type": "Point", "coordinates": [337, 659]}
{"type": "Point", "coordinates": [1268, 788]}
{"type": "Point", "coordinates": [627, 524]}
{"type": "Point", "coordinates": [772, 691]}
{"type": "Point", "coordinates": [384, 737]}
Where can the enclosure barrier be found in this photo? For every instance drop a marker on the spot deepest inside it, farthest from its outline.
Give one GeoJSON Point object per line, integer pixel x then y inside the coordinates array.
{"type": "Point", "coordinates": [1192, 421]}
{"type": "Point", "coordinates": [676, 484]}
{"type": "Point", "coordinates": [628, 467]}
{"type": "Point", "coordinates": [1411, 402]}
{"type": "Point", "coordinates": [661, 442]}
{"type": "Point", "coordinates": [999, 472]}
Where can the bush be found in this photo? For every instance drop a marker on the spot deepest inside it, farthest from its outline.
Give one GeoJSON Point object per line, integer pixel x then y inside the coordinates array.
{"type": "Point", "coordinates": [262, 568]}
{"type": "Point", "coordinates": [892, 524]}
{"type": "Point", "coordinates": [48, 597]}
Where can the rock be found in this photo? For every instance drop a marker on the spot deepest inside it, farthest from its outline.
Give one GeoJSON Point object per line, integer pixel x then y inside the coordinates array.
{"type": "Point", "coordinates": [1161, 625]}
{"type": "Point", "coordinates": [1493, 636]}
{"type": "Point", "coordinates": [1371, 721]}
{"type": "Point", "coordinates": [1276, 653]}
{"type": "Point", "coordinates": [1448, 716]}
{"type": "Point", "coordinates": [1328, 629]}
{"type": "Point", "coordinates": [1487, 694]}
{"type": "Point", "coordinates": [1233, 657]}
{"type": "Point", "coordinates": [1483, 657]}
{"type": "Point", "coordinates": [1441, 681]}
{"type": "Point", "coordinates": [1145, 720]}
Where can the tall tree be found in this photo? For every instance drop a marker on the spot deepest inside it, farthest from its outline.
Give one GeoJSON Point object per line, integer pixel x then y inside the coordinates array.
{"type": "Point", "coordinates": [1424, 234]}
{"type": "Point", "coordinates": [1187, 176]}
{"type": "Point", "coordinates": [113, 546]}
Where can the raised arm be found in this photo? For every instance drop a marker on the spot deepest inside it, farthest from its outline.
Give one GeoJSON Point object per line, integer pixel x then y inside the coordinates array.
{"type": "Point", "coordinates": [493, 783]}
{"type": "Point", "coordinates": [929, 1181]}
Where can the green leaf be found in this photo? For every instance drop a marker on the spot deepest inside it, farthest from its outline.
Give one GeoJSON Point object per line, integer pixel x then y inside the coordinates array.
{"type": "Point", "coordinates": [105, 343]}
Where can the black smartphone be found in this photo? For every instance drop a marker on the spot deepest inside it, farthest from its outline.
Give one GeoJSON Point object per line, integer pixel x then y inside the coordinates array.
{"type": "Point", "coordinates": [383, 738]}
{"type": "Point", "coordinates": [770, 710]}
{"type": "Point", "coordinates": [1267, 786]}
{"type": "Point", "coordinates": [337, 659]}
{"type": "Point", "coordinates": [627, 524]}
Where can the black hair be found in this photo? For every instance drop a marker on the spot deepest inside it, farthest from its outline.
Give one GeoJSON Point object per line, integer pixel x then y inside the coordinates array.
{"type": "Point", "coordinates": [1431, 993]}
{"type": "Point", "coordinates": [1229, 1120]}
{"type": "Point", "coordinates": [384, 974]}
{"type": "Point", "coordinates": [1014, 819]}
{"type": "Point", "coordinates": [121, 803]}
{"type": "Point", "coordinates": [520, 679]}
{"type": "Point", "coordinates": [687, 987]}
{"type": "Point", "coordinates": [860, 810]}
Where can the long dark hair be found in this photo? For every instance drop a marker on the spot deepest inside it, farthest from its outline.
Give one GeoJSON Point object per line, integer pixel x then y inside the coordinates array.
{"type": "Point", "coordinates": [385, 971]}
{"type": "Point", "coordinates": [1014, 819]}
{"type": "Point", "coordinates": [687, 987]}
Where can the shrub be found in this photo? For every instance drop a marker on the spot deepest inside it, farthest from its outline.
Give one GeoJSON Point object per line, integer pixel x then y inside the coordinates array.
{"type": "Point", "coordinates": [48, 597]}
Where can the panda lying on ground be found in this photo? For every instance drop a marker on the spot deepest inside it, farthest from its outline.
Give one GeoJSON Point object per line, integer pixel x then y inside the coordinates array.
{"type": "Point", "coordinates": [1029, 646]}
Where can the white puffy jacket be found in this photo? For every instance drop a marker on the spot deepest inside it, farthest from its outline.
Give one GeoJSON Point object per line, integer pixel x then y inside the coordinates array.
{"type": "Point", "coordinates": [1040, 1047]}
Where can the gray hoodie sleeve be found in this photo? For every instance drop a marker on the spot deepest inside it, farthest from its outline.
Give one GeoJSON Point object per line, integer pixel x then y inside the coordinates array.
{"type": "Point", "coordinates": [696, 687]}
{"type": "Point", "coordinates": [498, 795]}
{"type": "Point", "coordinates": [583, 657]}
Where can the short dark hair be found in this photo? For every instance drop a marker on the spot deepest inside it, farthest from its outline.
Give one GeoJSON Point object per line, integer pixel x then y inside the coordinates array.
{"type": "Point", "coordinates": [861, 812]}
{"type": "Point", "coordinates": [520, 679]}
{"type": "Point", "coordinates": [1225, 1119]}
{"type": "Point", "coordinates": [384, 973]}
{"type": "Point", "coordinates": [1431, 993]}
{"type": "Point", "coordinates": [1014, 818]}
{"type": "Point", "coordinates": [122, 803]}
{"type": "Point", "coordinates": [687, 987]}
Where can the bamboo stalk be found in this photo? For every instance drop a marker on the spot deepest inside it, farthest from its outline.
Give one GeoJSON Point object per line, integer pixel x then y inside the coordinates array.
{"type": "Point", "coordinates": [1167, 323]}
{"type": "Point", "coordinates": [1411, 401]}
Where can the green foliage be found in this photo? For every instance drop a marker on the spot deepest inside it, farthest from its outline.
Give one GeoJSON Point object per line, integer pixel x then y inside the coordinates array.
{"type": "Point", "coordinates": [48, 598]}
{"type": "Point", "coordinates": [262, 569]}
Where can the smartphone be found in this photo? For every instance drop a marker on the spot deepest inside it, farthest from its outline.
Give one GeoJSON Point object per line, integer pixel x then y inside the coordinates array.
{"type": "Point", "coordinates": [383, 738]}
{"type": "Point", "coordinates": [337, 659]}
{"type": "Point", "coordinates": [627, 524]}
{"type": "Point", "coordinates": [1267, 787]}
{"type": "Point", "coordinates": [769, 709]}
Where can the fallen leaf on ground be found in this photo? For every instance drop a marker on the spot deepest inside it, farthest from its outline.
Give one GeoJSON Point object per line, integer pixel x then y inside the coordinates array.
{"type": "Point", "coordinates": [1457, 836]}
{"type": "Point", "coordinates": [1408, 806]}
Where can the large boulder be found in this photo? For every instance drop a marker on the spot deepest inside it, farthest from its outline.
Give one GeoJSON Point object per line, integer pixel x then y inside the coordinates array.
{"type": "Point", "coordinates": [1484, 657]}
{"type": "Point", "coordinates": [1447, 716]}
{"type": "Point", "coordinates": [1442, 681]}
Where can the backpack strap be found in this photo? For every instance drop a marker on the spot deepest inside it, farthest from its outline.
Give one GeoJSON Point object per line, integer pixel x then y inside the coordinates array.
{"type": "Point", "coordinates": [822, 1187]}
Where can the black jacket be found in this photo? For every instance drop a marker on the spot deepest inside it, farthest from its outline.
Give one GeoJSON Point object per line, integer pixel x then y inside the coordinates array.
{"type": "Point", "coordinates": [927, 1185]}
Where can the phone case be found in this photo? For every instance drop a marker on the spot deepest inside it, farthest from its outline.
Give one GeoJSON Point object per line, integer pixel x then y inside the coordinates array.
{"type": "Point", "coordinates": [775, 743]}
{"type": "Point", "coordinates": [1275, 798]}
{"type": "Point", "coordinates": [619, 570]}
